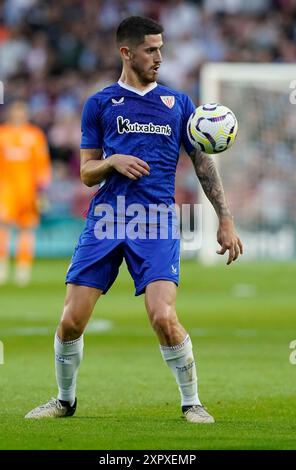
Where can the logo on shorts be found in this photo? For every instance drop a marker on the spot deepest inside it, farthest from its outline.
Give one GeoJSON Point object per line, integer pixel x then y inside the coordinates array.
{"type": "Point", "coordinates": [169, 101]}
{"type": "Point", "coordinates": [174, 270]}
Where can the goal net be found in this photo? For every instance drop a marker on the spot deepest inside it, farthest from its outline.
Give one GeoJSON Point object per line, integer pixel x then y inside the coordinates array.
{"type": "Point", "coordinates": [259, 171]}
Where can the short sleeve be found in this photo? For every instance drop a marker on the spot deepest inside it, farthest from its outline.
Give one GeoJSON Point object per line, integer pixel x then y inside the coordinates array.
{"type": "Point", "coordinates": [188, 109]}
{"type": "Point", "coordinates": [91, 133]}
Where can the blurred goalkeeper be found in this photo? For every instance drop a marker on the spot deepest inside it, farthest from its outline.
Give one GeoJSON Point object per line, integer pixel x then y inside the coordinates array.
{"type": "Point", "coordinates": [131, 136]}
{"type": "Point", "coordinates": [25, 174]}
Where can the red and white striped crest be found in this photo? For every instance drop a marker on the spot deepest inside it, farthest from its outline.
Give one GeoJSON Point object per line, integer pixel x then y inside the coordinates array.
{"type": "Point", "coordinates": [169, 101]}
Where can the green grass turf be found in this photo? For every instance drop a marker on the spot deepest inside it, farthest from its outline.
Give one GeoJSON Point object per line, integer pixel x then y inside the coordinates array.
{"type": "Point", "coordinates": [241, 319]}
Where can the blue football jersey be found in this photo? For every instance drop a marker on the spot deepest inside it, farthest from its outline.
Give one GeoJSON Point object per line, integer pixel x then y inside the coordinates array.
{"type": "Point", "coordinates": [150, 125]}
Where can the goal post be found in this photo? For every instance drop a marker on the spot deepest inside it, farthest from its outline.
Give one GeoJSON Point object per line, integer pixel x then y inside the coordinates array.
{"type": "Point", "coordinates": [259, 170]}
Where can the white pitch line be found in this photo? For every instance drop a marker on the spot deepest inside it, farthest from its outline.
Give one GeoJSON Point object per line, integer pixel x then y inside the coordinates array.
{"type": "Point", "coordinates": [244, 291]}
{"type": "Point", "coordinates": [102, 325]}
{"type": "Point", "coordinates": [243, 333]}
{"type": "Point", "coordinates": [96, 326]}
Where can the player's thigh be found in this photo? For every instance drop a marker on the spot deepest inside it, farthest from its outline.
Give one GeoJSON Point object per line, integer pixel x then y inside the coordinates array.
{"type": "Point", "coordinates": [79, 304]}
{"type": "Point", "coordinates": [19, 210]}
{"type": "Point", "coordinates": [28, 220]}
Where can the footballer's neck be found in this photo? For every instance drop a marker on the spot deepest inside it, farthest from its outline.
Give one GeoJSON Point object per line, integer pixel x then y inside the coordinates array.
{"type": "Point", "coordinates": [131, 79]}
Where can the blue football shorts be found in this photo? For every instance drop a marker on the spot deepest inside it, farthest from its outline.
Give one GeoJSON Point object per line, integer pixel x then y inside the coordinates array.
{"type": "Point", "coordinates": [96, 262]}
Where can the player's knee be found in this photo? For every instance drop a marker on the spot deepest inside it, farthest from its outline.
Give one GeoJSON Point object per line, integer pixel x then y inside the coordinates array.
{"type": "Point", "coordinates": [70, 328]}
{"type": "Point", "coordinates": [163, 318]}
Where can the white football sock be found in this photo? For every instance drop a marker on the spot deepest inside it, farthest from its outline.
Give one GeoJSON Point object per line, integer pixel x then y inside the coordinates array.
{"type": "Point", "coordinates": [181, 361]}
{"type": "Point", "coordinates": [68, 355]}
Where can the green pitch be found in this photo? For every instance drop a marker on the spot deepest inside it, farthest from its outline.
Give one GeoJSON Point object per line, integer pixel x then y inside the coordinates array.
{"type": "Point", "coordinates": [241, 320]}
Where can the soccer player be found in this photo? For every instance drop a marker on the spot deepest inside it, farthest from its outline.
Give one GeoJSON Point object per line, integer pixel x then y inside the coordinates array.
{"type": "Point", "coordinates": [25, 172]}
{"type": "Point", "coordinates": [131, 135]}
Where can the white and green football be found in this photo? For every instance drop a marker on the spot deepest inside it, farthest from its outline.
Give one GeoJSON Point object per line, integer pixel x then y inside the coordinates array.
{"type": "Point", "coordinates": [212, 128]}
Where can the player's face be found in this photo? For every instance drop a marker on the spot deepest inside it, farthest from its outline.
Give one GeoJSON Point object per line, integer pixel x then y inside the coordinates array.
{"type": "Point", "coordinates": [145, 59]}
{"type": "Point", "coordinates": [18, 113]}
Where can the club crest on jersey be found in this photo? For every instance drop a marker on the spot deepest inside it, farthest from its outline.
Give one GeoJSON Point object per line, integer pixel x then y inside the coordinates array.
{"type": "Point", "coordinates": [117, 102]}
{"type": "Point", "coordinates": [169, 101]}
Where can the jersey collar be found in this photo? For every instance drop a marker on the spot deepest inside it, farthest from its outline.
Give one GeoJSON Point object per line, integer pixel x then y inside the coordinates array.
{"type": "Point", "coordinates": [135, 90]}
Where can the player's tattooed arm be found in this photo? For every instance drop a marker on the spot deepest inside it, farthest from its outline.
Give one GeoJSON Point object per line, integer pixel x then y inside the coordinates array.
{"type": "Point", "coordinates": [211, 183]}
{"type": "Point", "coordinates": [94, 169]}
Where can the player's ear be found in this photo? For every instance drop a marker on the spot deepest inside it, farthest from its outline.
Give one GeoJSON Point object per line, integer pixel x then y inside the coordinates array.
{"type": "Point", "coordinates": [125, 52]}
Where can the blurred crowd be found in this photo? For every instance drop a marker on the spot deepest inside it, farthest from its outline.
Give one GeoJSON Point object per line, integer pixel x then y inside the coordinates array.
{"type": "Point", "coordinates": [259, 171]}
{"type": "Point", "coordinates": [55, 54]}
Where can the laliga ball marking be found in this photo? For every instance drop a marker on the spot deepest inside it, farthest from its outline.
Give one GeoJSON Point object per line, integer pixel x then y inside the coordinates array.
{"type": "Point", "coordinates": [212, 128]}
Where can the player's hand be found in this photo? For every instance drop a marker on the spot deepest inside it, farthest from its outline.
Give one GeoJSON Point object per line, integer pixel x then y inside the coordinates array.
{"type": "Point", "coordinates": [229, 240]}
{"type": "Point", "coordinates": [130, 166]}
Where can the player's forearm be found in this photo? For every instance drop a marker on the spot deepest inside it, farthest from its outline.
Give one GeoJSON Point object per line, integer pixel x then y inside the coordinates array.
{"type": "Point", "coordinates": [95, 171]}
{"type": "Point", "coordinates": [211, 183]}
